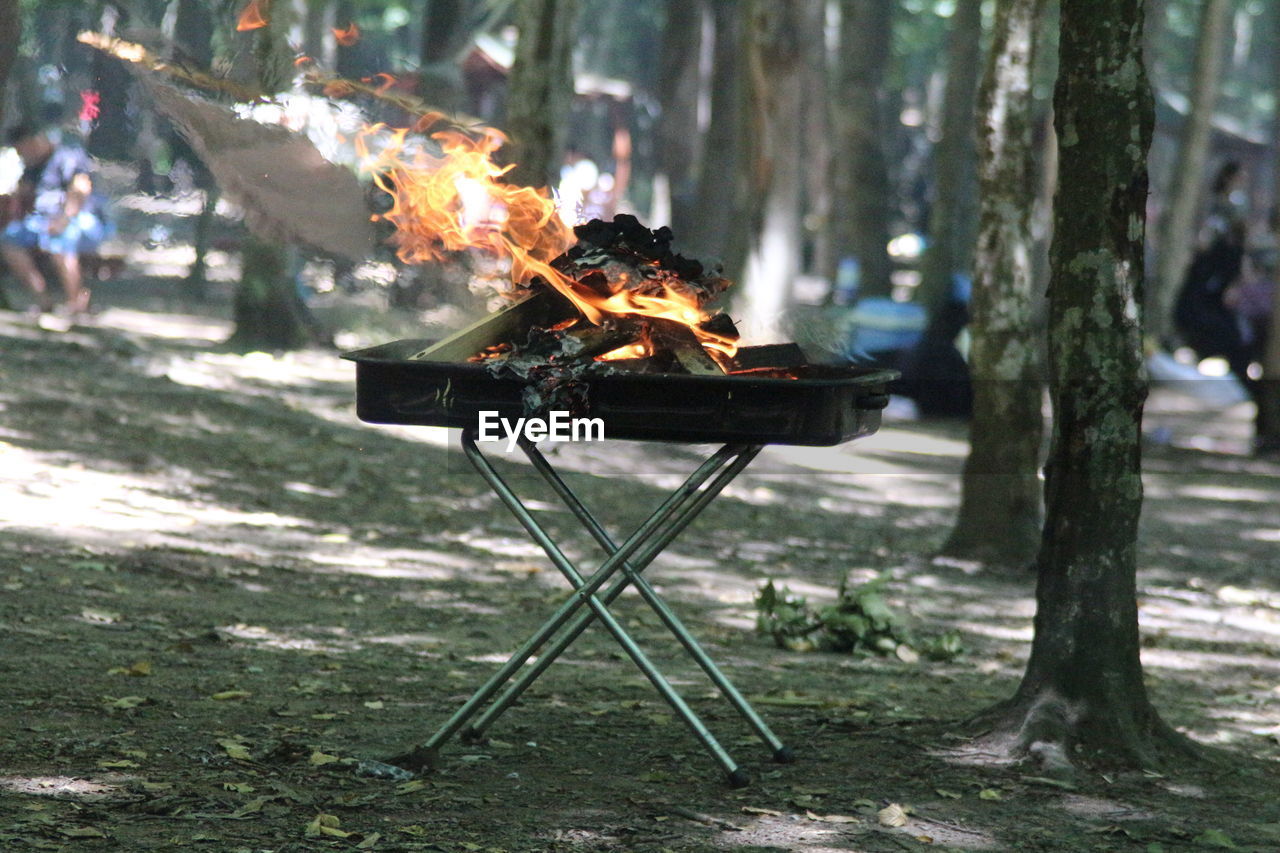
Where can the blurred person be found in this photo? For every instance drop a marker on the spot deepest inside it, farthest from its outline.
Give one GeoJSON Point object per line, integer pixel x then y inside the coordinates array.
{"type": "Point", "coordinates": [54, 212]}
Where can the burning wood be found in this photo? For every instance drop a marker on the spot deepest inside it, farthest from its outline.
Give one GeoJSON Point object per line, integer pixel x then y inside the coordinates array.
{"type": "Point", "coordinates": [651, 319]}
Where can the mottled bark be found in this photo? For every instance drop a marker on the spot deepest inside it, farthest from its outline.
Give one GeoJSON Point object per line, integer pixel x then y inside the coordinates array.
{"type": "Point", "coordinates": [1083, 694]}
{"type": "Point", "coordinates": [774, 64]}
{"type": "Point", "coordinates": [999, 519]}
{"type": "Point", "coordinates": [953, 215]}
{"type": "Point", "coordinates": [541, 91]}
{"type": "Point", "coordinates": [268, 312]}
{"type": "Point", "coordinates": [1178, 224]}
{"type": "Point", "coordinates": [861, 205]}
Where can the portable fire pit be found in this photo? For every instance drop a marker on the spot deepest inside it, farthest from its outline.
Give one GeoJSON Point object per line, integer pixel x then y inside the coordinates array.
{"type": "Point", "coordinates": [451, 382]}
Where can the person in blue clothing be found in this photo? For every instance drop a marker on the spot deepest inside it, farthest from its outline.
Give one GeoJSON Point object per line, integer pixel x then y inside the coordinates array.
{"type": "Point", "coordinates": [56, 213]}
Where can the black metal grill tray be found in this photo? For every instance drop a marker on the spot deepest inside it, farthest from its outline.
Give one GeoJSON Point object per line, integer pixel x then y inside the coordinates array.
{"type": "Point", "coordinates": [827, 406]}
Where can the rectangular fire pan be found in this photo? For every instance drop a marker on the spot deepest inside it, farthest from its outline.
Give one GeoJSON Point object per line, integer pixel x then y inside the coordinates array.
{"type": "Point", "coordinates": [825, 406]}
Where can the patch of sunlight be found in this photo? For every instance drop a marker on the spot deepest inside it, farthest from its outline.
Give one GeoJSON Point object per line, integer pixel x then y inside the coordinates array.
{"type": "Point", "coordinates": [996, 632]}
{"type": "Point", "coordinates": [42, 493]}
{"type": "Point", "coordinates": [222, 371]}
{"type": "Point", "coordinates": [890, 440]}
{"type": "Point", "coordinates": [421, 641]}
{"type": "Point", "coordinates": [1262, 535]}
{"type": "Point", "coordinates": [271, 639]}
{"type": "Point", "coordinates": [831, 461]}
{"type": "Point", "coordinates": [63, 787]}
{"type": "Point", "coordinates": [168, 326]}
{"type": "Point", "coordinates": [1228, 493]}
{"type": "Point", "coordinates": [368, 561]}
{"type": "Point", "coordinates": [1099, 809]}
{"type": "Point", "coordinates": [1183, 660]}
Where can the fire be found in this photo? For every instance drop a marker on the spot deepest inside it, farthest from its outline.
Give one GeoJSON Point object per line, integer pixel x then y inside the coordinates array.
{"type": "Point", "coordinates": [254, 15]}
{"type": "Point", "coordinates": [640, 350]}
{"type": "Point", "coordinates": [348, 36]}
{"type": "Point", "coordinates": [456, 200]}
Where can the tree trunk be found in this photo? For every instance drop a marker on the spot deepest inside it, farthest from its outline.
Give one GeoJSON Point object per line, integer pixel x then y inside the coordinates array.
{"type": "Point", "coordinates": [445, 33]}
{"type": "Point", "coordinates": [679, 87]}
{"type": "Point", "coordinates": [861, 205]}
{"type": "Point", "coordinates": [268, 312]}
{"type": "Point", "coordinates": [318, 41]}
{"type": "Point", "coordinates": [715, 231]}
{"type": "Point", "coordinates": [774, 62]}
{"type": "Point", "coordinates": [193, 33]}
{"type": "Point", "coordinates": [1178, 224]}
{"type": "Point", "coordinates": [999, 519]}
{"type": "Point", "coordinates": [1267, 397]}
{"type": "Point", "coordinates": [1083, 693]}
{"type": "Point", "coordinates": [11, 20]}
{"type": "Point", "coordinates": [541, 91]}
{"type": "Point", "coordinates": [954, 214]}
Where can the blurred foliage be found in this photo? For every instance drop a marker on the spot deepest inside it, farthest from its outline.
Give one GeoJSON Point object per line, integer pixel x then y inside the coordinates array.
{"type": "Point", "coordinates": [860, 621]}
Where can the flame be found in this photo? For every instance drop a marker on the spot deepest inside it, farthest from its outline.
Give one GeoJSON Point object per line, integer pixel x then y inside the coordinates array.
{"type": "Point", "coordinates": [637, 350]}
{"type": "Point", "coordinates": [456, 200]}
{"type": "Point", "coordinates": [254, 15]}
{"type": "Point", "coordinates": [347, 37]}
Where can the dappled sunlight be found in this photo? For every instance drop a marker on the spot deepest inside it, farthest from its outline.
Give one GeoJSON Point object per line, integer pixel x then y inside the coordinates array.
{"type": "Point", "coordinates": [63, 787]}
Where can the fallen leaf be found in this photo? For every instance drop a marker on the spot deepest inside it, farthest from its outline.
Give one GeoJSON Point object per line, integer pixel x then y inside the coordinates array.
{"type": "Point", "coordinates": [410, 787]}
{"type": "Point", "coordinates": [831, 818]}
{"type": "Point", "coordinates": [369, 840]}
{"type": "Point", "coordinates": [252, 807]}
{"type": "Point", "coordinates": [82, 832]}
{"type": "Point", "coordinates": [117, 765]}
{"type": "Point", "coordinates": [376, 705]}
{"type": "Point", "coordinates": [324, 824]}
{"type": "Point", "coordinates": [140, 669]}
{"type": "Point", "coordinates": [760, 811]}
{"type": "Point", "coordinates": [235, 749]}
{"type": "Point", "coordinates": [892, 815]}
{"type": "Point", "coordinates": [950, 795]}
{"type": "Point", "coordinates": [125, 702]}
{"type": "Point", "coordinates": [1215, 838]}
{"type": "Point", "coordinates": [319, 759]}
{"type": "Point", "coordinates": [231, 694]}
{"type": "Point", "coordinates": [906, 654]}
{"type": "Point", "coordinates": [238, 787]}
{"type": "Point", "coordinates": [990, 794]}
{"type": "Point", "coordinates": [101, 617]}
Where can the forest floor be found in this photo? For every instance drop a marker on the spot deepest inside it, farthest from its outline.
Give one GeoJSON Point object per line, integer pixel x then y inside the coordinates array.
{"type": "Point", "coordinates": [222, 593]}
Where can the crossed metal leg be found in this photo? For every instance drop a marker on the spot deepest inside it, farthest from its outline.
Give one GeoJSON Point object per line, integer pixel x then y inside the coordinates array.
{"type": "Point", "coordinates": [629, 559]}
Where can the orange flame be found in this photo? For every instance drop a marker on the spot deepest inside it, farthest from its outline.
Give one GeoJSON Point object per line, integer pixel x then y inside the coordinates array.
{"type": "Point", "coordinates": [456, 200]}
{"type": "Point", "coordinates": [254, 15]}
{"type": "Point", "coordinates": [349, 36]}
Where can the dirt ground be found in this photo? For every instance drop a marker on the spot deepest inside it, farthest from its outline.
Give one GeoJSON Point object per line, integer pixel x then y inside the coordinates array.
{"type": "Point", "coordinates": [223, 596]}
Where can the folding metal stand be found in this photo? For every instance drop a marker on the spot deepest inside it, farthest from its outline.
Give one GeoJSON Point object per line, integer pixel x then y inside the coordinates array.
{"type": "Point", "coordinates": [629, 559]}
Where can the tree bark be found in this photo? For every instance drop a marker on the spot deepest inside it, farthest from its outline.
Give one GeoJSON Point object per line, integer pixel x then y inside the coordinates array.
{"type": "Point", "coordinates": [722, 190]}
{"type": "Point", "coordinates": [1178, 231]}
{"type": "Point", "coordinates": [445, 33]}
{"type": "Point", "coordinates": [774, 65]}
{"type": "Point", "coordinates": [1083, 693]}
{"type": "Point", "coordinates": [953, 215]}
{"type": "Point", "coordinates": [1267, 398]}
{"type": "Point", "coordinates": [11, 21]}
{"type": "Point", "coordinates": [268, 312]}
{"type": "Point", "coordinates": [541, 91]}
{"type": "Point", "coordinates": [319, 42]}
{"type": "Point", "coordinates": [861, 205]}
{"type": "Point", "coordinates": [999, 519]}
{"type": "Point", "coordinates": [193, 33]}
{"type": "Point", "coordinates": [679, 86]}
